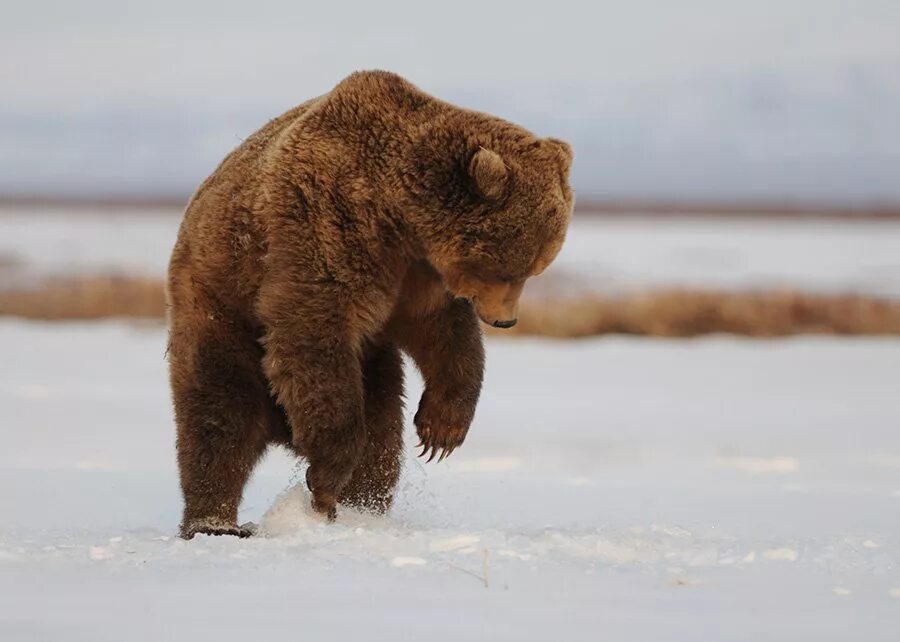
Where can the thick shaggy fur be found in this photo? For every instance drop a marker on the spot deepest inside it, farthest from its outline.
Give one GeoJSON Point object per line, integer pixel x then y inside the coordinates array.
{"type": "Point", "coordinates": [367, 221]}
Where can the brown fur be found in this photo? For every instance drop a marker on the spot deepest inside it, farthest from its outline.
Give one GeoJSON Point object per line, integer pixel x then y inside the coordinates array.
{"type": "Point", "coordinates": [361, 223]}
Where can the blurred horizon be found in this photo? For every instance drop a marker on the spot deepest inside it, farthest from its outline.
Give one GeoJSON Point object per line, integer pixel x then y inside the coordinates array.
{"type": "Point", "coordinates": [792, 102]}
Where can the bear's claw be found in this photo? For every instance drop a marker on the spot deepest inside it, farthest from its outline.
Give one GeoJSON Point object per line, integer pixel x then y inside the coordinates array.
{"type": "Point", "coordinates": [325, 506]}
{"type": "Point", "coordinates": [442, 423]}
{"type": "Point", "coordinates": [444, 443]}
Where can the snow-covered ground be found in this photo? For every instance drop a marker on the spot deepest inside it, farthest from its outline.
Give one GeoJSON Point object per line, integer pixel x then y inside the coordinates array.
{"type": "Point", "coordinates": [615, 489]}
{"type": "Point", "coordinates": [834, 256]}
{"type": "Point", "coordinates": [826, 256]}
{"type": "Point", "coordinates": [618, 488]}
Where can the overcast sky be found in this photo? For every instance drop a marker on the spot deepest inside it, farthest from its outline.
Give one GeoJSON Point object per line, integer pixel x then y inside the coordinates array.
{"type": "Point", "coordinates": [798, 99]}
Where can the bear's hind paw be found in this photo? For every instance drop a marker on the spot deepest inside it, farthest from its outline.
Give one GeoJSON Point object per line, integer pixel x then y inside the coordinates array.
{"type": "Point", "coordinates": [216, 527]}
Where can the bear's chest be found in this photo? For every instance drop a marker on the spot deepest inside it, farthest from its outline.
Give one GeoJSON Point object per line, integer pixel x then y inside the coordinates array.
{"type": "Point", "coordinates": [371, 305]}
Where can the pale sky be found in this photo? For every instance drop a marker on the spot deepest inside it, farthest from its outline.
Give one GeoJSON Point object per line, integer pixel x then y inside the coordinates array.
{"type": "Point", "coordinates": [688, 95]}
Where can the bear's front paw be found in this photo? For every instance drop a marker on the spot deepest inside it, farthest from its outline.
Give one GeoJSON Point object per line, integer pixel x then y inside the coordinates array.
{"type": "Point", "coordinates": [442, 424]}
{"type": "Point", "coordinates": [323, 501]}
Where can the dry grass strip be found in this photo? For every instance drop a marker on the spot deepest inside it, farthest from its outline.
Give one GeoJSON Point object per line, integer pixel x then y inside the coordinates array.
{"type": "Point", "coordinates": [90, 297]}
{"type": "Point", "coordinates": [667, 313]}
{"type": "Point", "coordinates": [689, 313]}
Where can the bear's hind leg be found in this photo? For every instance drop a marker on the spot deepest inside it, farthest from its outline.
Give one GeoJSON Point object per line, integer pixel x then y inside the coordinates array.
{"type": "Point", "coordinates": [372, 485]}
{"type": "Point", "coordinates": [223, 417]}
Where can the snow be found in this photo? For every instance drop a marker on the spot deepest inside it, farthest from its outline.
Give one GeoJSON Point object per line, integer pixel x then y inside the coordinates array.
{"type": "Point", "coordinates": [828, 256]}
{"type": "Point", "coordinates": [604, 253]}
{"type": "Point", "coordinates": [618, 488]}
{"type": "Point", "coordinates": [59, 240]}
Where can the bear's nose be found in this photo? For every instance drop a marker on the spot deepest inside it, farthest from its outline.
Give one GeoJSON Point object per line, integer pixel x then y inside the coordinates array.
{"type": "Point", "coordinates": [505, 324]}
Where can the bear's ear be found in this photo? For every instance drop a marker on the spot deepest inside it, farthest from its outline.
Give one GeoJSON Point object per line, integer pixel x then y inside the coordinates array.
{"type": "Point", "coordinates": [489, 173]}
{"type": "Point", "coordinates": [563, 152]}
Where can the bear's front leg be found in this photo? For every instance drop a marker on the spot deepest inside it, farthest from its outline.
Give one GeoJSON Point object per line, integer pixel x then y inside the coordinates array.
{"type": "Point", "coordinates": [320, 389]}
{"type": "Point", "coordinates": [446, 344]}
{"type": "Point", "coordinates": [371, 487]}
{"type": "Point", "coordinates": [315, 374]}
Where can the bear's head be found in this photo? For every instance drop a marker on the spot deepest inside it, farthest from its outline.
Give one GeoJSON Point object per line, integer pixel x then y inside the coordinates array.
{"type": "Point", "coordinates": [492, 204]}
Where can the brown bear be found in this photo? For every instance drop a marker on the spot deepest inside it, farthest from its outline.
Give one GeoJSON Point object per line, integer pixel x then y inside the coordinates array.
{"type": "Point", "coordinates": [367, 221]}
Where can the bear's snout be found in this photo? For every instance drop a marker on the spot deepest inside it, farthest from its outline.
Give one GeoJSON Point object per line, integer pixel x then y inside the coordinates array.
{"type": "Point", "coordinates": [497, 303]}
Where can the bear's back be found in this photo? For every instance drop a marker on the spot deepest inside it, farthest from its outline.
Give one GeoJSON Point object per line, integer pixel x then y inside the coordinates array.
{"type": "Point", "coordinates": [221, 240]}
{"type": "Point", "coordinates": [237, 167]}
